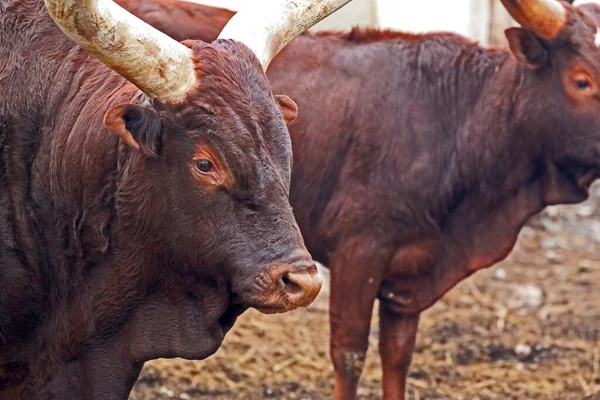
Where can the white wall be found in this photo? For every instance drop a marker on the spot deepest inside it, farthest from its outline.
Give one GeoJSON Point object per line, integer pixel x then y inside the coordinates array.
{"type": "Point", "coordinates": [468, 17]}
{"type": "Point", "coordinates": [357, 12]}
{"type": "Point", "coordinates": [500, 20]}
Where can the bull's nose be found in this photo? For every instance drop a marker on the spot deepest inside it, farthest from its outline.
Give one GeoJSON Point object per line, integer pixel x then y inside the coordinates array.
{"type": "Point", "coordinates": [302, 287]}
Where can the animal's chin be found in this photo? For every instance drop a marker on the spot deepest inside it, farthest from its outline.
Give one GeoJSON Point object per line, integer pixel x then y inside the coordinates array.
{"type": "Point", "coordinates": [586, 178]}
{"type": "Point", "coordinates": [570, 181]}
{"type": "Point", "coordinates": [230, 316]}
{"type": "Point", "coordinates": [278, 306]}
{"type": "Point", "coordinates": [274, 310]}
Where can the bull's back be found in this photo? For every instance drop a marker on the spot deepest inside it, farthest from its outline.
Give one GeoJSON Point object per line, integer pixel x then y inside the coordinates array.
{"type": "Point", "coordinates": [181, 20]}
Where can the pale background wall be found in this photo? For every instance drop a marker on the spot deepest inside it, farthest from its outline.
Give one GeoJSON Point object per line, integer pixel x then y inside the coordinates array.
{"type": "Point", "coordinates": [467, 17]}
{"type": "Point", "coordinates": [482, 20]}
{"type": "Point", "coordinates": [358, 12]}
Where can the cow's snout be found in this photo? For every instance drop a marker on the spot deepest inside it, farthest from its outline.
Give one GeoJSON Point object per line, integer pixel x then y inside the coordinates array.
{"type": "Point", "coordinates": [301, 285]}
{"type": "Point", "coordinates": [291, 285]}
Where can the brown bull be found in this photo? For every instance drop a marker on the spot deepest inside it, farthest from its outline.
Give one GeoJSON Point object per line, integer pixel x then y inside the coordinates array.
{"type": "Point", "coordinates": [143, 192]}
{"type": "Point", "coordinates": [418, 158]}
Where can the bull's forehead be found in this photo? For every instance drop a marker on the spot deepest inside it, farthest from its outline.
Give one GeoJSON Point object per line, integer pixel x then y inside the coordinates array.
{"type": "Point", "coordinates": [234, 93]}
{"type": "Point", "coordinates": [255, 142]}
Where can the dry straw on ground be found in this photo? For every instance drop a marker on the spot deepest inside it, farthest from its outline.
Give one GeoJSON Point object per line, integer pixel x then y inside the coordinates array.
{"type": "Point", "coordinates": [527, 329]}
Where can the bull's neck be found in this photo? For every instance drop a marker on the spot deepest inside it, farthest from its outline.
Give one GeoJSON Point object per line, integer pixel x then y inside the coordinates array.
{"type": "Point", "coordinates": [477, 111]}
{"type": "Point", "coordinates": [492, 173]}
{"type": "Point", "coordinates": [60, 168]}
{"type": "Point", "coordinates": [106, 371]}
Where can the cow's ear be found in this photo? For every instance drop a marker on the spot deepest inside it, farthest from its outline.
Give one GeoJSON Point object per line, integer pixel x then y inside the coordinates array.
{"type": "Point", "coordinates": [136, 125]}
{"type": "Point", "coordinates": [526, 47]}
{"type": "Point", "coordinates": [288, 108]}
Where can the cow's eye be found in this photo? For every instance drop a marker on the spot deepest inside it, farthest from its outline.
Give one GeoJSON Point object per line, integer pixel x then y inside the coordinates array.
{"type": "Point", "coordinates": [204, 165]}
{"type": "Point", "coordinates": [582, 83]}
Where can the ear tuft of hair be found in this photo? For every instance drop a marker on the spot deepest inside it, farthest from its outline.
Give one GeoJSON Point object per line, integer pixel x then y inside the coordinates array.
{"type": "Point", "coordinates": [144, 125]}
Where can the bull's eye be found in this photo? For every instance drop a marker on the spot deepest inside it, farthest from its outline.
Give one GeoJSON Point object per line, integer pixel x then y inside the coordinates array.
{"type": "Point", "coordinates": [204, 165]}
{"type": "Point", "coordinates": [582, 87]}
{"type": "Point", "coordinates": [582, 84]}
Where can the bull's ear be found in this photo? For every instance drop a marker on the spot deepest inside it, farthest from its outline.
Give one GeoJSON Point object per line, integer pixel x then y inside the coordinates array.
{"type": "Point", "coordinates": [288, 108]}
{"type": "Point", "coordinates": [526, 47]}
{"type": "Point", "coordinates": [136, 125]}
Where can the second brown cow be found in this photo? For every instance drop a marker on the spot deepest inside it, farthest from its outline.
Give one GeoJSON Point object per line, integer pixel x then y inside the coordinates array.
{"type": "Point", "coordinates": [418, 158]}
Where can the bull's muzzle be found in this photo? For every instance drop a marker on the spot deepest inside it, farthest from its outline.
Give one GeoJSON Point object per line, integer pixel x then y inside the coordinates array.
{"type": "Point", "coordinates": [294, 284]}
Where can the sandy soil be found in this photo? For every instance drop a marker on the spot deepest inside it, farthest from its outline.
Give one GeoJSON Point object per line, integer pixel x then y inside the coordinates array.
{"type": "Point", "coordinates": [529, 328]}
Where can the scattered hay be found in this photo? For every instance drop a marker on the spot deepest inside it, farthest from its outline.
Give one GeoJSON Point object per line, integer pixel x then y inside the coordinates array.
{"type": "Point", "coordinates": [480, 342]}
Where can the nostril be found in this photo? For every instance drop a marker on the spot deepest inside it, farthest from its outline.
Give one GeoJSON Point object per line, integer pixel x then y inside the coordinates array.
{"type": "Point", "coordinates": [290, 286]}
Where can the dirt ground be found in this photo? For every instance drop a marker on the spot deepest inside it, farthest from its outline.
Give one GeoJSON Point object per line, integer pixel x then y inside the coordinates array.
{"type": "Point", "coordinates": [528, 328]}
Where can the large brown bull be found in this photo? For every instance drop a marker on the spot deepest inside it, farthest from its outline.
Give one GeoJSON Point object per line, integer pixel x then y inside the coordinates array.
{"type": "Point", "coordinates": [418, 158]}
{"type": "Point", "coordinates": [143, 192]}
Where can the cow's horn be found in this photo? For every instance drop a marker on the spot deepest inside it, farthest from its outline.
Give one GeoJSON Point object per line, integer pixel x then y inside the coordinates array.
{"type": "Point", "coordinates": [160, 66]}
{"type": "Point", "coordinates": [267, 30]}
{"type": "Point", "coordinates": [545, 18]}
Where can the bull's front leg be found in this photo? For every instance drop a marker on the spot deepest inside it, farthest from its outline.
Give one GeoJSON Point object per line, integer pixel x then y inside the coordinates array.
{"type": "Point", "coordinates": [405, 292]}
{"type": "Point", "coordinates": [398, 333]}
{"type": "Point", "coordinates": [356, 272]}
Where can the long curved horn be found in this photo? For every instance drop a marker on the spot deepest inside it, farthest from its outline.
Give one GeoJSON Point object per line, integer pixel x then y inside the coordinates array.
{"type": "Point", "coordinates": [545, 18]}
{"type": "Point", "coordinates": [266, 33]}
{"type": "Point", "coordinates": [160, 66]}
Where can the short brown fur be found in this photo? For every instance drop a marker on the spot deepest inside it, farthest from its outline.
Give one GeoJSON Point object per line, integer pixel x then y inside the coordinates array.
{"type": "Point", "coordinates": [418, 158]}
{"type": "Point", "coordinates": [112, 253]}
